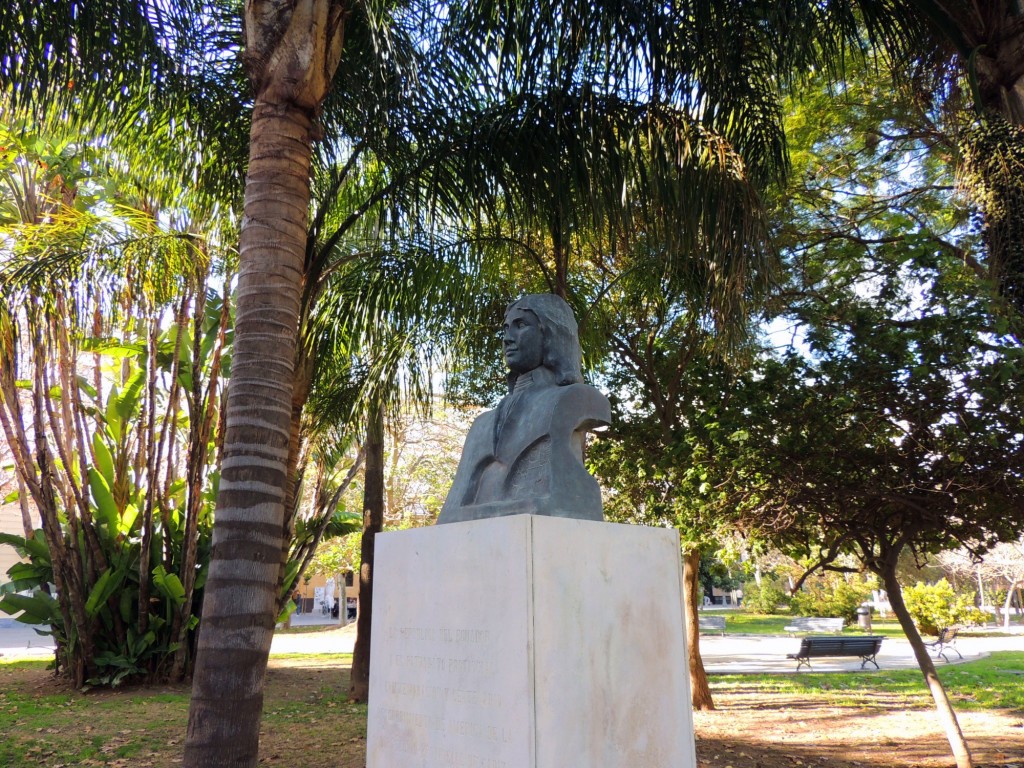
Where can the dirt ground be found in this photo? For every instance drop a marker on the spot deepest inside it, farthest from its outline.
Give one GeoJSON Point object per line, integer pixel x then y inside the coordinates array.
{"type": "Point", "coordinates": [749, 730]}
{"type": "Point", "coordinates": [308, 723]}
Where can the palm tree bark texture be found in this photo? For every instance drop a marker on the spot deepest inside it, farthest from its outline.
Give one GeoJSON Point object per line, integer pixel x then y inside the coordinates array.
{"type": "Point", "coordinates": [292, 51]}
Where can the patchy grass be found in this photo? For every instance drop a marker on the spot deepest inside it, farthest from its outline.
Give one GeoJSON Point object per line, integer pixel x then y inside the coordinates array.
{"type": "Point", "coordinates": [340, 659]}
{"type": "Point", "coordinates": [44, 723]}
{"type": "Point", "coordinates": [742, 623]}
{"type": "Point", "coordinates": [841, 720]}
{"type": "Point", "coordinates": [307, 719]}
{"type": "Point", "coordinates": [739, 622]}
{"type": "Point", "coordinates": [995, 682]}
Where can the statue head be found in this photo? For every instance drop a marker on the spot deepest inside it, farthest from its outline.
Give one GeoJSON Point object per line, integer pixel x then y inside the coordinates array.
{"type": "Point", "coordinates": [559, 344]}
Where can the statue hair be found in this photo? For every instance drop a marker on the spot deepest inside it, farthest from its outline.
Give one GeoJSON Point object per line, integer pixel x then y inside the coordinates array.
{"type": "Point", "coordinates": [562, 355]}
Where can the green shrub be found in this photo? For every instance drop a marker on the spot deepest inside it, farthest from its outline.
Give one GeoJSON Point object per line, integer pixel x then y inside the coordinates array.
{"type": "Point", "coordinates": [830, 596]}
{"type": "Point", "coordinates": [933, 607]}
{"type": "Point", "coordinates": [763, 599]}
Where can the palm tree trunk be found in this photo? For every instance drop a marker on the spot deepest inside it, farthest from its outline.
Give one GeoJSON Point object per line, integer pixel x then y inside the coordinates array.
{"type": "Point", "coordinates": [373, 521]}
{"type": "Point", "coordinates": [700, 691]}
{"type": "Point", "coordinates": [957, 742]}
{"type": "Point", "coordinates": [238, 612]}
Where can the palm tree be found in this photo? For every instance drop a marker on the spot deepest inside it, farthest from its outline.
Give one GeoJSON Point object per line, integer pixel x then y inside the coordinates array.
{"type": "Point", "coordinates": [978, 47]}
{"type": "Point", "coordinates": [981, 42]}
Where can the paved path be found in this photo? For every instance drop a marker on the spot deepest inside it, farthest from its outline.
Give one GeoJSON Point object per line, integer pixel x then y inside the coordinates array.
{"type": "Point", "coordinates": [19, 641]}
{"type": "Point", "coordinates": [767, 653]}
{"type": "Point", "coordinates": [732, 654]}
{"type": "Point", "coordinates": [722, 655]}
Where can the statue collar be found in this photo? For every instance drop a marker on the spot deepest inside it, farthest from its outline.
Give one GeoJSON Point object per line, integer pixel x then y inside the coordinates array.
{"type": "Point", "coordinates": [541, 377]}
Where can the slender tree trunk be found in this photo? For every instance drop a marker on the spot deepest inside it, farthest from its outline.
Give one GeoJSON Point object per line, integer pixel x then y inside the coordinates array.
{"type": "Point", "coordinates": [1008, 603]}
{"type": "Point", "coordinates": [947, 717]}
{"type": "Point", "coordinates": [700, 691]}
{"type": "Point", "coordinates": [203, 410]}
{"type": "Point", "coordinates": [373, 521]}
{"type": "Point", "coordinates": [152, 468]}
{"type": "Point", "coordinates": [240, 598]}
{"type": "Point", "coordinates": [27, 523]}
{"type": "Point", "coordinates": [70, 573]}
{"type": "Point", "coordinates": [324, 510]}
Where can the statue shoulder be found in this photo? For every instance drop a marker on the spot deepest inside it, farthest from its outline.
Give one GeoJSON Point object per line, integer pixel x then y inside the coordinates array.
{"type": "Point", "coordinates": [584, 402]}
{"type": "Point", "coordinates": [485, 418]}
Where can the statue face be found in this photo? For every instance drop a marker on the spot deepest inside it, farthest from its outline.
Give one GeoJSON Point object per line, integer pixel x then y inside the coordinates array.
{"type": "Point", "coordinates": [524, 340]}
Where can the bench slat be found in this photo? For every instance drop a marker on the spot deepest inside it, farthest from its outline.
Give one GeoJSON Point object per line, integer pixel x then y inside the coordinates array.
{"type": "Point", "coordinates": [945, 642]}
{"type": "Point", "coordinates": [865, 647]}
{"type": "Point", "coordinates": [712, 623]}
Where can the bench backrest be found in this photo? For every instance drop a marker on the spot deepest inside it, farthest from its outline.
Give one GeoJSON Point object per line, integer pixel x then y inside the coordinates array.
{"type": "Point", "coordinates": [948, 634]}
{"type": "Point", "coordinates": [711, 622]}
{"type": "Point", "coordinates": [817, 624]}
{"type": "Point", "coordinates": [829, 646]}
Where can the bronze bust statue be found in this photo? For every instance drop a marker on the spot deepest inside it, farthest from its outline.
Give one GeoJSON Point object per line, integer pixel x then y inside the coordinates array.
{"type": "Point", "coordinates": [526, 456]}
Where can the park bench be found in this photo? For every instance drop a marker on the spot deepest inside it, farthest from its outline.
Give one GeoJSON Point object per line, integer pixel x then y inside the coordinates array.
{"type": "Point", "coordinates": [864, 647]}
{"type": "Point", "coordinates": [815, 624]}
{"type": "Point", "coordinates": [711, 624]}
{"type": "Point", "coordinates": [946, 641]}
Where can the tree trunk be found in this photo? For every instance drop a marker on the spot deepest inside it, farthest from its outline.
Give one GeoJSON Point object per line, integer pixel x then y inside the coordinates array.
{"type": "Point", "coordinates": [997, 65]}
{"type": "Point", "coordinates": [148, 429]}
{"type": "Point", "coordinates": [700, 691]}
{"type": "Point", "coordinates": [27, 523]}
{"type": "Point", "coordinates": [240, 596]}
{"type": "Point", "coordinates": [947, 717]}
{"type": "Point", "coordinates": [201, 413]}
{"type": "Point", "coordinates": [291, 53]}
{"type": "Point", "coordinates": [373, 521]}
{"type": "Point", "coordinates": [1008, 603]}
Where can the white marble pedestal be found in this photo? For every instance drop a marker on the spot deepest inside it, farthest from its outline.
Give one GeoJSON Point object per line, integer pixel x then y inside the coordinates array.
{"type": "Point", "coordinates": [529, 642]}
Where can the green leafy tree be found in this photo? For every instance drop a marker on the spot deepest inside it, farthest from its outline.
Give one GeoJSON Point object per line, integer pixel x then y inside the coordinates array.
{"type": "Point", "coordinates": [764, 598]}
{"type": "Point", "coordinates": [831, 595]}
{"type": "Point", "coordinates": [890, 423]}
{"type": "Point", "coordinates": [899, 434]}
{"type": "Point", "coordinates": [339, 556]}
